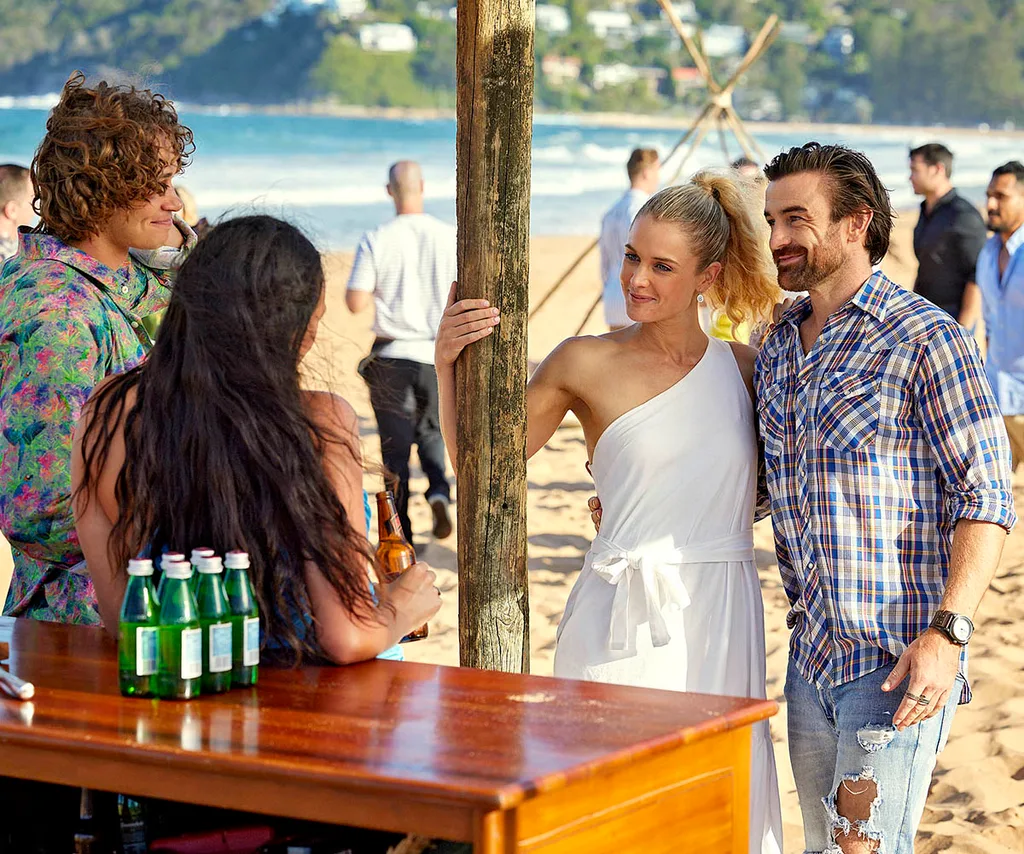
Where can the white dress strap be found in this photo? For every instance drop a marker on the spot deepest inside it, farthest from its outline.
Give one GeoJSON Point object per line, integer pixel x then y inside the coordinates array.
{"type": "Point", "coordinates": [662, 586]}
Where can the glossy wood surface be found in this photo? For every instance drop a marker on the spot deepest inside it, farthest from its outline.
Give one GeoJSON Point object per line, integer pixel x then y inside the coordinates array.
{"type": "Point", "coordinates": [385, 744]}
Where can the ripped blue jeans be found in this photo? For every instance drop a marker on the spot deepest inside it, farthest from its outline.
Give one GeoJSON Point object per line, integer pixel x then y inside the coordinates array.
{"type": "Point", "coordinates": [844, 736]}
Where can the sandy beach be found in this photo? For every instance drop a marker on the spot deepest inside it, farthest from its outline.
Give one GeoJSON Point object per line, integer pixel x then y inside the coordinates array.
{"type": "Point", "coordinates": [977, 799]}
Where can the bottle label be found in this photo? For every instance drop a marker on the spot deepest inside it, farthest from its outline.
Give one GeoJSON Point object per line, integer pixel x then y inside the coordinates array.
{"type": "Point", "coordinates": [251, 641]}
{"type": "Point", "coordinates": [145, 651]}
{"type": "Point", "coordinates": [220, 648]}
{"type": "Point", "coordinates": [191, 653]}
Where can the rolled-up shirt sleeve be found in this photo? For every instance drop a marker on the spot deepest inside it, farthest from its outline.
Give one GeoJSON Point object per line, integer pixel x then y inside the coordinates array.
{"type": "Point", "coordinates": [964, 429]}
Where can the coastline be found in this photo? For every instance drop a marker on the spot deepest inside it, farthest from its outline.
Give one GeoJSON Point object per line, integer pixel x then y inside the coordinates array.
{"type": "Point", "coordinates": [596, 119]}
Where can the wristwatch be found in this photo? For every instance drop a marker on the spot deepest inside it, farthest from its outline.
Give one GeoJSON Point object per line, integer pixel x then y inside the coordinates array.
{"type": "Point", "coordinates": [956, 627]}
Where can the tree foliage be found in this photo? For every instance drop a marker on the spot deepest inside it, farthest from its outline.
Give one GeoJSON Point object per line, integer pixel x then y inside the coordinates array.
{"type": "Point", "coordinates": [920, 61]}
{"type": "Point", "coordinates": [352, 75]}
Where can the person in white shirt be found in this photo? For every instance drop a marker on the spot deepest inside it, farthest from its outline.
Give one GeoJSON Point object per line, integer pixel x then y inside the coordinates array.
{"type": "Point", "coordinates": [643, 168]}
{"type": "Point", "coordinates": [406, 268]}
{"type": "Point", "coordinates": [16, 196]}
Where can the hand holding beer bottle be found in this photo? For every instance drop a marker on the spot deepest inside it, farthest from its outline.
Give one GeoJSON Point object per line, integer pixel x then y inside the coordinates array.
{"type": "Point", "coordinates": [408, 585]}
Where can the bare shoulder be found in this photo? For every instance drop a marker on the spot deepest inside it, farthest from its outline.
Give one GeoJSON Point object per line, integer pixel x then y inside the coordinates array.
{"type": "Point", "coordinates": [88, 412]}
{"type": "Point", "coordinates": [585, 350]}
{"type": "Point", "coordinates": [745, 356]}
{"type": "Point", "coordinates": [331, 411]}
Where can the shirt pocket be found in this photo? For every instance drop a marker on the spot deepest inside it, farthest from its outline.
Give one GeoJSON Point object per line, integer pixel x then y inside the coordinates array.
{"type": "Point", "coordinates": [848, 409]}
{"type": "Point", "coordinates": [771, 421]}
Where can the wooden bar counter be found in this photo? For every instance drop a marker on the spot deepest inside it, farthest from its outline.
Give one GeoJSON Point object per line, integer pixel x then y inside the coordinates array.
{"type": "Point", "coordinates": [512, 763]}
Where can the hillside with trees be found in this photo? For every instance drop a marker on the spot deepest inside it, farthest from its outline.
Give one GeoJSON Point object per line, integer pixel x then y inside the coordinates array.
{"type": "Point", "coordinates": [894, 61]}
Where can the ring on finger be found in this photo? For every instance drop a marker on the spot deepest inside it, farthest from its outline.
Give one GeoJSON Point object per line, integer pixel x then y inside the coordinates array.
{"type": "Point", "coordinates": [911, 696]}
{"type": "Point", "coordinates": [923, 701]}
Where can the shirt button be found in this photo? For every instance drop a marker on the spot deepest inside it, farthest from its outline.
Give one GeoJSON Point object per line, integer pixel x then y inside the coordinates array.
{"type": "Point", "coordinates": [135, 324]}
{"type": "Point", "coordinates": [124, 289]}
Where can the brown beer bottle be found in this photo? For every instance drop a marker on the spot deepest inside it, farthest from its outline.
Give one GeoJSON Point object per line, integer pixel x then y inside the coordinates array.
{"type": "Point", "coordinates": [394, 553]}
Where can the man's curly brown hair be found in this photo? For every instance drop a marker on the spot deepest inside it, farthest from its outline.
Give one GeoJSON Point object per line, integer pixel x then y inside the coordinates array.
{"type": "Point", "coordinates": [105, 150]}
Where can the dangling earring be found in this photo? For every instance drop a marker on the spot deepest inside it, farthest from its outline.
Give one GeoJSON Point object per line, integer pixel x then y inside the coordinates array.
{"type": "Point", "coordinates": [700, 298]}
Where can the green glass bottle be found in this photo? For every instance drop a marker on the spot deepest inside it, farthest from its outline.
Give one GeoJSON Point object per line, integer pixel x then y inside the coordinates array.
{"type": "Point", "coordinates": [167, 557]}
{"type": "Point", "coordinates": [245, 619]}
{"type": "Point", "coordinates": [180, 651]}
{"type": "Point", "coordinates": [197, 555]}
{"type": "Point", "coordinates": [137, 632]}
{"type": "Point", "coordinates": [216, 624]}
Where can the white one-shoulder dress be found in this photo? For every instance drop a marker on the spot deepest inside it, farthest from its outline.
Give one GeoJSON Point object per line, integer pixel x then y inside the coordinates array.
{"type": "Point", "coordinates": [669, 596]}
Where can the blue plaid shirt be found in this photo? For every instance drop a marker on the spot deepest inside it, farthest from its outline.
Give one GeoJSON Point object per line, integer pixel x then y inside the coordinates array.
{"type": "Point", "coordinates": [876, 443]}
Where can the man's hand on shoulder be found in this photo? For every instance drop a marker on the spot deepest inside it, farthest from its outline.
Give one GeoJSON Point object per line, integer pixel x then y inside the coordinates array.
{"type": "Point", "coordinates": [594, 503]}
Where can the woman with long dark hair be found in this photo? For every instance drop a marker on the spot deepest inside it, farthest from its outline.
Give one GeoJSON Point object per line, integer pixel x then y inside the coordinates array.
{"type": "Point", "coordinates": [212, 441]}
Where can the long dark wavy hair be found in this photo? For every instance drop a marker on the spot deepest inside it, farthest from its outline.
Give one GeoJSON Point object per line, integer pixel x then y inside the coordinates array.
{"type": "Point", "coordinates": [220, 448]}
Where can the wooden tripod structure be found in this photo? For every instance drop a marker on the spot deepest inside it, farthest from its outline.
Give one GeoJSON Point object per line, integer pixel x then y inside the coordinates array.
{"type": "Point", "coordinates": [718, 112]}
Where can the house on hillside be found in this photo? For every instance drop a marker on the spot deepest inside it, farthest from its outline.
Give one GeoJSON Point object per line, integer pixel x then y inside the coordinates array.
{"type": "Point", "coordinates": [797, 32]}
{"type": "Point", "coordinates": [663, 29]}
{"type": "Point", "coordinates": [686, 11]}
{"type": "Point", "coordinates": [387, 38]}
{"type": "Point", "coordinates": [724, 40]}
{"type": "Point", "coordinates": [655, 78]}
{"type": "Point", "coordinates": [610, 25]}
{"type": "Point", "coordinates": [341, 8]}
{"type": "Point", "coordinates": [346, 9]}
{"type": "Point", "coordinates": [553, 19]}
{"type": "Point", "coordinates": [615, 74]}
{"type": "Point", "coordinates": [559, 70]}
{"type": "Point", "coordinates": [685, 79]}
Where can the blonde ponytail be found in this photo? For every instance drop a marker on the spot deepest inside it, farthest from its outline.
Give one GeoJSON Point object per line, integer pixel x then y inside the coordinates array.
{"type": "Point", "coordinates": [718, 213]}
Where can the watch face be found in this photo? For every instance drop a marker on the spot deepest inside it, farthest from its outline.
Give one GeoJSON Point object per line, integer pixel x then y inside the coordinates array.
{"type": "Point", "coordinates": [961, 629]}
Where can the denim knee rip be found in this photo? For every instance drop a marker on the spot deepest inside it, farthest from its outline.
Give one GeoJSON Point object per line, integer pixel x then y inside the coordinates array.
{"type": "Point", "coordinates": [872, 738]}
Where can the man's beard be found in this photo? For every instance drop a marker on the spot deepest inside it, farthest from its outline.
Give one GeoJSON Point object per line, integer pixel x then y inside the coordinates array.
{"type": "Point", "coordinates": [809, 275]}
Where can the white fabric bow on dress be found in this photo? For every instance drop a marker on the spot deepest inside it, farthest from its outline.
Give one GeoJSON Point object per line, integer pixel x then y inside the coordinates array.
{"type": "Point", "coordinates": [659, 573]}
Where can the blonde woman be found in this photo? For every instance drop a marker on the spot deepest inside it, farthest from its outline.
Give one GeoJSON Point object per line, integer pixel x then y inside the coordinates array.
{"type": "Point", "coordinates": [668, 596]}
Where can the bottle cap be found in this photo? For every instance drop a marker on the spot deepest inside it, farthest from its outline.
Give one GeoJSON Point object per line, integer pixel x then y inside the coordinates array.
{"type": "Point", "coordinates": [170, 557]}
{"type": "Point", "coordinates": [202, 551]}
{"type": "Point", "coordinates": [236, 560]}
{"type": "Point", "coordinates": [177, 569]}
{"type": "Point", "coordinates": [210, 565]}
{"type": "Point", "coordinates": [140, 566]}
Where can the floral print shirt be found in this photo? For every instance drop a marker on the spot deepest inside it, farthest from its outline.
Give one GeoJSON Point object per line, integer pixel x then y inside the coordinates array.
{"type": "Point", "coordinates": [66, 322]}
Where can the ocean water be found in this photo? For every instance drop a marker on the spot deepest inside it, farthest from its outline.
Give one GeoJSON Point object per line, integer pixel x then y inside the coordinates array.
{"type": "Point", "coordinates": [328, 174]}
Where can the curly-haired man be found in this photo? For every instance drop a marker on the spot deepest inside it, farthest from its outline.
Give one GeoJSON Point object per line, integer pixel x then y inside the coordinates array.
{"type": "Point", "coordinates": [72, 308]}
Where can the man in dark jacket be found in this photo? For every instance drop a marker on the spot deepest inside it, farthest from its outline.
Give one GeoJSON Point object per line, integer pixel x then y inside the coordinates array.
{"type": "Point", "coordinates": [947, 238]}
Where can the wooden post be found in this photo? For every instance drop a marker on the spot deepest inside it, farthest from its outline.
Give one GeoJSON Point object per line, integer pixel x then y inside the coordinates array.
{"type": "Point", "coordinates": [495, 118]}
